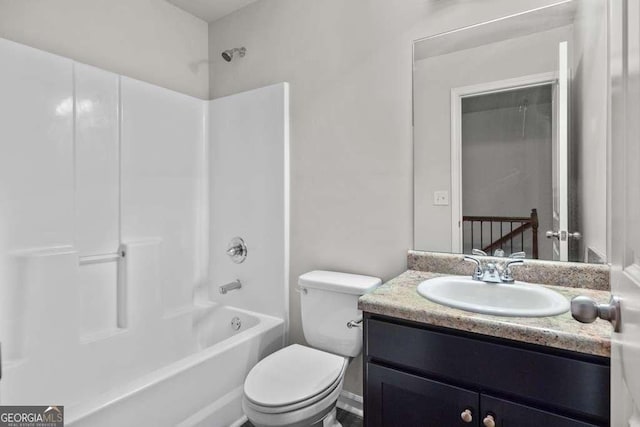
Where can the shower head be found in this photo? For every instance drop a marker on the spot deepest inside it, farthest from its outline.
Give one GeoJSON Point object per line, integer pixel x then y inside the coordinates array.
{"type": "Point", "coordinates": [227, 55]}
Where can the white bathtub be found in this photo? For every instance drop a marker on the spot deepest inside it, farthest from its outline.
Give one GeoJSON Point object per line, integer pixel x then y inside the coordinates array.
{"type": "Point", "coordinates": [202, 389]}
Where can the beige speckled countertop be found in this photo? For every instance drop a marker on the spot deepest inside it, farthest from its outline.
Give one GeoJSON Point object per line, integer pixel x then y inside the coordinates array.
{"type": "Point", "coordinates": [398, 298]}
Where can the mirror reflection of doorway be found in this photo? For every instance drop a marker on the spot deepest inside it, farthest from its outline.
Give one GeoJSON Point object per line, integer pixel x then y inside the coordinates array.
{"type": "Point", "coordinates": [506, 174]}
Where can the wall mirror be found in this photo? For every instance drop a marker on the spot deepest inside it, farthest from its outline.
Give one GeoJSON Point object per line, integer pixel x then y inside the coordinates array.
{"type": "Point", "coordinates": [510, 135]}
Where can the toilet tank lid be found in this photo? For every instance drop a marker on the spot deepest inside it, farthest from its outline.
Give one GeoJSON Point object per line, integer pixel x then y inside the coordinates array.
{"type": "Point", "coordinates": [345, 283]}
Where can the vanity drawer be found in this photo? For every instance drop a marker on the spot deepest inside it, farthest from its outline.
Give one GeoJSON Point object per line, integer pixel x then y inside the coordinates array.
{"type": "Point", "coordinates": [569, 384]}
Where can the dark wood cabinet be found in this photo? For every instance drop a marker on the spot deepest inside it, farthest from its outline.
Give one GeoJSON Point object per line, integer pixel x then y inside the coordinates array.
{"type": "Point", "coordinates": [399, 399]}
{"type": "Point", "coordinates": [417, 375]}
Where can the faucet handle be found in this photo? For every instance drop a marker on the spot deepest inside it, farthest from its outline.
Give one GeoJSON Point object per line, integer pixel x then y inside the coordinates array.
{"type": "Point", "coordinates": [237, 250]}
{"type": "Point", "coordinates": [520, 254]}
{"type": "Point", "coordinates": [478, 252]}
{"type": "Point", "coordinates": [477, 272]}
{"type": "Point", "coordinates": [507, 276]}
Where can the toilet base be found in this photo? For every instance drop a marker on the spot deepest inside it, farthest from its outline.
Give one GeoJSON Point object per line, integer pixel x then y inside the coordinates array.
{"type": "Point", "coordinates": [326, 419]}
{"type": "Point", "coordinates": [330, 420]}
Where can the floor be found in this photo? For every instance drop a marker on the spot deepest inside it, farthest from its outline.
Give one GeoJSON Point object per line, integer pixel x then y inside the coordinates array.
{"type": "Point", "coordinates": [347, 419]}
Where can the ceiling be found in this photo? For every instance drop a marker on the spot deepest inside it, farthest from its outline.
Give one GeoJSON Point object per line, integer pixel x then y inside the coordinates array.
{"type": "Point", "coordinates": [210, 10]}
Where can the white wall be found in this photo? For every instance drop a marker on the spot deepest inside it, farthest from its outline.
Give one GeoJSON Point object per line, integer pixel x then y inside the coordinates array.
{"type": "Point", "coordinates": [590, 123]}
{"type": "Point", "coordinates": [434, 78]}
{"type": "Point", "coordinates": [149, 40]}
{"type": "Point", "coordinates": [349, 67]}
{"type": "Point", "coordinates": [249, 197]}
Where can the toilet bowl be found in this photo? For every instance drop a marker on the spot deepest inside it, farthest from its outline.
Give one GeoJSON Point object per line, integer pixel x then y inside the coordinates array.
{"type": "Point", "coordinates": [298, 386]}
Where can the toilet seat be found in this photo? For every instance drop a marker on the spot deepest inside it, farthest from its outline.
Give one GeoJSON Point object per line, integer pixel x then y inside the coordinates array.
{"type": "Point", "coordinates": [275, 410]}
{"type": "Point", "coordinates": [293, 378]}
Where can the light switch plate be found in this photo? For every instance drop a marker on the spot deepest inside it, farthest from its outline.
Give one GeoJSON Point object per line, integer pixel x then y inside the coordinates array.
{"type": "Point", "coordinates": [441, 198]}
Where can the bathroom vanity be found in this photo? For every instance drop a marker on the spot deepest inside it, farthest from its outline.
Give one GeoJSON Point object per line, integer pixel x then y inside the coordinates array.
{"type": "Point", "coordinates": [428, 364]}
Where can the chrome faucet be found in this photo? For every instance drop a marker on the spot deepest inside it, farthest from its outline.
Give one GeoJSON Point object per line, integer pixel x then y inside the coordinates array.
{"type": "Point", "coordinates": [230, 286]}
{"type": "Point", "coordinates": [494, 272]}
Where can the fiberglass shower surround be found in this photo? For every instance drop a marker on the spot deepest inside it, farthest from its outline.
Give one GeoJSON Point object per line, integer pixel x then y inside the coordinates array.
{"type": "Point", "coordinates": [112, 190]}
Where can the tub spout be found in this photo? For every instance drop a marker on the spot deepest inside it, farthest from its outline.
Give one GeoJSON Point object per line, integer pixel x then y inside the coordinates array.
{"type": "Point", "coordinates": [230, 286]}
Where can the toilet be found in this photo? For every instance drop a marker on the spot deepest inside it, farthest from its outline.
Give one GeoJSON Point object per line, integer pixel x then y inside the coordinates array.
{"type": "Point", "coordinates": [299, 386]}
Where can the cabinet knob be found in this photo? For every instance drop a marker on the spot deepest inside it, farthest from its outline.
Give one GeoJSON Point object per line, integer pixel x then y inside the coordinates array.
{"type": "Point", "coordinates": [466, 416]}
{"type": "Point", "coordinates": [489, 421]}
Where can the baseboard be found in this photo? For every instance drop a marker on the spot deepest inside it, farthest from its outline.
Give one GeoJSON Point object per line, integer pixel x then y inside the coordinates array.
{"type": "Point", "coordinates": [351, 402]}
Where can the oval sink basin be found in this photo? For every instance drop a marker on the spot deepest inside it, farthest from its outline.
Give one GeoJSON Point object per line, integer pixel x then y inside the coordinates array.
{"type": "Point", "coordinates": [517, 299]}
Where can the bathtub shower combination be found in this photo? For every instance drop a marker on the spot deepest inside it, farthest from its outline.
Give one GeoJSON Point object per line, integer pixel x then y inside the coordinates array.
{"type": "Point", "coordinates": [119, 204]}
{"type": "Point", "coordinates": [202, 387]}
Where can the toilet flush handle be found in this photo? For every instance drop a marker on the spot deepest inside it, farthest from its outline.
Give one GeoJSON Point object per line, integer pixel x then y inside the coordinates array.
{"type": "Point", "coordinates": [354, 324]}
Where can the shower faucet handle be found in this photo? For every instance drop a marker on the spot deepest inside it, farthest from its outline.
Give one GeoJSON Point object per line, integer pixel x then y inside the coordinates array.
{"type": "Point", "coordinates": [237, 250]}
{"type": "Point", "coordinates": [234, 250]}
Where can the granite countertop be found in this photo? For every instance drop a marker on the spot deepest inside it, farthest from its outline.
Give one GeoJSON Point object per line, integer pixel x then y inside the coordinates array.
{"type": "Point", "coordinates": [398, 298]}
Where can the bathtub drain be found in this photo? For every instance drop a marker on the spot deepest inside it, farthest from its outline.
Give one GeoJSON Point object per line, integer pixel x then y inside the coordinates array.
{"type": "Point", "coordinates": [236, 323]}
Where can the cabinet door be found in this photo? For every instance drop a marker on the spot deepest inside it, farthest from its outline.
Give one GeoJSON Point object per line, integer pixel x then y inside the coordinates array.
{"type": "Point", "coordinates": [509, 414]}
{"type": "Point", "coordinates": [398, 399]}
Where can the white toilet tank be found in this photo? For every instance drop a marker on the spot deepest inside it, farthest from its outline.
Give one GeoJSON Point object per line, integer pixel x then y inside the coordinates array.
{"type": "Point", "coordinates": [329, 300]}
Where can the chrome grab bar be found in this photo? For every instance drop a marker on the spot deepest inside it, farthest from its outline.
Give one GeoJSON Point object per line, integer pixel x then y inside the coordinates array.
{"type": "Point", "coordinates": [98, 258]}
